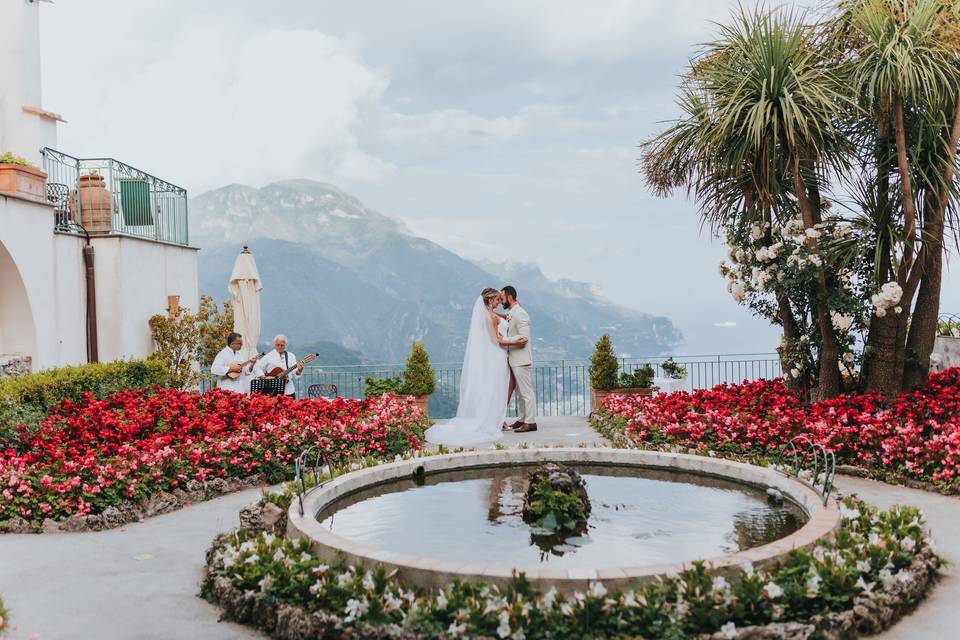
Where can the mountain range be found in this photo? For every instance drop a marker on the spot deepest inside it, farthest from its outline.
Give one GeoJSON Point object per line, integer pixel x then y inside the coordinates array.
{"type": "Point", "coordinates": [357, 285]}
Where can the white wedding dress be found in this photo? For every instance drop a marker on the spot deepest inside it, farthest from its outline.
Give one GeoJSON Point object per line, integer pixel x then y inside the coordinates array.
{"type": "Point", "coordinates": [483, 389]}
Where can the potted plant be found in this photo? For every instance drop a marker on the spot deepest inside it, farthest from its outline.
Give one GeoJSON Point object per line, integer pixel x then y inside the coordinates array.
{"type": "Point", "coordinates": [946, 346]}
{"type": "Point", "coordinates": [379, 386]}
{"type": "Point", "coordinates": [676, 374]}
{"type": "Point", "coordinates": [673, 370]}
{"type": "Point", "coordinates": [417, 380]}
{"type": "Point", "coordinates": [606, 379]}
{"type": "Point", "coordinates": [95, 203]}
{"type": "Point", "coordinates": [22, 178]}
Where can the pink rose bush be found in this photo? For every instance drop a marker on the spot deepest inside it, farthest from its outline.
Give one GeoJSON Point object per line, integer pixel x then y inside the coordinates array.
{"type": "Point", "coordinates": [916, 434]}
{"type": "Point", "coordinates": [90, 454]}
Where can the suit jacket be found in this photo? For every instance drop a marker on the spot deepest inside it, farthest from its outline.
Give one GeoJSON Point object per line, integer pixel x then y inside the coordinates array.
{"type": "Point", "coordinates": [519, 325]}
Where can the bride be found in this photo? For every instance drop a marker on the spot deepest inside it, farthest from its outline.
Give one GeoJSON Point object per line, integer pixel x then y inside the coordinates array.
{"type": "Point", "coordinates": [484, 380]}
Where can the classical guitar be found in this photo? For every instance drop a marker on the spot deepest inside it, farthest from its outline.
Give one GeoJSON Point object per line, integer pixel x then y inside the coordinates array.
{"type": "Point", "coordinates": [233, 375]}
{"type": "Point", "coordinates": [280, 372]}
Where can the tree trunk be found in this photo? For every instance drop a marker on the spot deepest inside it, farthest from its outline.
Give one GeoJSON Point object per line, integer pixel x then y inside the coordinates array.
{"type": "Point", "coordinates": [888, 352]}
{"type": "Point", "coordinates": [923, 329]}
{"type": "Point", "coordinates": [923, 326]}
{"type": "Point", "coordinates": [906, 183]}
{"type": "Point", "coordinates": [884, 266]}
{"type": "Point", "coordinates": [885, 377]}
{"type": "Point", "coordinates": [790, 333]}
{"type": "Point", "coordinates": [829, 365]}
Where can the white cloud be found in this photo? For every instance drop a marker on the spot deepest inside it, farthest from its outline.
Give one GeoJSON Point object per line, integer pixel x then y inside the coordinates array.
{"type": "Point", "coordinates": [220, 104]}
{"type": "Point", "coordinates": [502, 129]}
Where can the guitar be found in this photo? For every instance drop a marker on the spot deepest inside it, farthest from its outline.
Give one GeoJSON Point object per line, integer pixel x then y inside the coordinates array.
{"type": "Point", "coordinates": [280, 372]}
{"type": "Point", "coordinates": [233, 375]}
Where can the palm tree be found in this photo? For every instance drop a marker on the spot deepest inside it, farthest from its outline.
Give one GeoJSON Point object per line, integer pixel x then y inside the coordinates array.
{"type": "Point", "coordinates": [902, 64]}
{"type": "Point", "coordinates": [758, 138]}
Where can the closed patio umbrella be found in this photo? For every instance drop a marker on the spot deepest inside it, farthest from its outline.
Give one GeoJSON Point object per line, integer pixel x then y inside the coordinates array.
{"type": "Point", "coordinates": [245, 288]}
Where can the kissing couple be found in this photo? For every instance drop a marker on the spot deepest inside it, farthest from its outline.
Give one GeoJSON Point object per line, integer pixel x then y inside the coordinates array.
{"type": "Point", "coordinates": [498, 362]}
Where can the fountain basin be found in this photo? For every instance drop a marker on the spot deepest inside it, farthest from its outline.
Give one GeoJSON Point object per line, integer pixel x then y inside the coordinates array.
{"type": "Point", "coordinates": [425, 566]}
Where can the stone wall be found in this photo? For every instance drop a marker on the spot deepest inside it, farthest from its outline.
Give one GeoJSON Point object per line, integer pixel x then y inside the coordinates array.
{"type": "Point", "coordinates": [14, 365]}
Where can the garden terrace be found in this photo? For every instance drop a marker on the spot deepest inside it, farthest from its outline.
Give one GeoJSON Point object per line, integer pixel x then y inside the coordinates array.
{"type": "Point", "coordinates": [914, 436]}
{"type": "Point", "coordinates": [97, 463]}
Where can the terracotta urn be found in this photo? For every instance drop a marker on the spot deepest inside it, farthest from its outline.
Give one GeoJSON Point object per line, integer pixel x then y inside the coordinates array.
{"type": "Point", "coordinates": [422, 403]}
{"type": "Point", "coordinates": [95, 203]}
{"type": "Point", "coordinates": [23, 181]}
{"type": "Point", "coordinates": [598, 397]}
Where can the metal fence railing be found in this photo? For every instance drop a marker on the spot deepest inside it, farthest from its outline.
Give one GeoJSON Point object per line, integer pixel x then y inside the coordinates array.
{"type": "Point", "coordinates": [562, 387]}
{"type": "Point", "coordinates": [948, 324]}
{"type": "Point", "coordinates": [107, 196]}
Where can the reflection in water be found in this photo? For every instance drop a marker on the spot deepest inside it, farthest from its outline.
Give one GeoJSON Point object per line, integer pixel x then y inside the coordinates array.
{"type": "Point", "coordinates": [475, 516]}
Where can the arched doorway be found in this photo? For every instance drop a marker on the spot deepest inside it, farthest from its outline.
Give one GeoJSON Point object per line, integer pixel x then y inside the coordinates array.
{"type": "Point", "coordinates": [17, 331]}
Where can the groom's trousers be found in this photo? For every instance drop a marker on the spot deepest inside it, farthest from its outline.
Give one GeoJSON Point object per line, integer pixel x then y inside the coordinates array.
{"type": "Point", "coordinates": [527, 401]}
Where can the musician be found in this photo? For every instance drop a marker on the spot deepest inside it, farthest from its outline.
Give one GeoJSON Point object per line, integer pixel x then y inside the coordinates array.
{"type": "Point", "coordinates": [283, 359]}
{"type": "Point", "coordinates": [230, 360]}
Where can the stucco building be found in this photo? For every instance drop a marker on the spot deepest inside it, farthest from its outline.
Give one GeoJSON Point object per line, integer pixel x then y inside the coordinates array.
{"type": "Point", "coordinates": [89, 248]}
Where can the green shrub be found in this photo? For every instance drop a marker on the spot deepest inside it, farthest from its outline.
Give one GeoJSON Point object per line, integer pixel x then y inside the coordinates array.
{"type": "Point", "coordinates": [379, 386]}
{"type": "Point", "coordinates": [419, 379]}
{"type": "Point", "coordinates": [4, 617]}
{"type": "Point", "coordinates": [182, 340]}
{"type": "Point", "coordinates": [28, 399]}
{"type": "Point", "coordinates": [9, 158]}
{"type": "Point", "coordinates": [641, 377]}
{"type": "Point", "coordinates": [604, 368]}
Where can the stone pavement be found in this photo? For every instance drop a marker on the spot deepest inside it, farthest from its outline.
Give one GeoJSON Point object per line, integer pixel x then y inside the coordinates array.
{"type": "Point", "coordinates": [140, 582]}
{"type": "Point", "coordinates": [938, 616]}
{"type": "Point", "coordinates": [569, 431]}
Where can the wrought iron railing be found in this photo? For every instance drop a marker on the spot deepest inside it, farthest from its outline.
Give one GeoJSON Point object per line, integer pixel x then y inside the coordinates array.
{"type": "Point", "coordinates": [949, 324]}
{"type": "Point", "coordinates": [562, 387]}
{"type": "Point", "coordinates": [795, 457]}
{"type": "Point", "coordinates": [135, 202]}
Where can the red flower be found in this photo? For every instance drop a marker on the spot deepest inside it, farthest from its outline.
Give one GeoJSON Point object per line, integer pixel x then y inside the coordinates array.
{"type": "Point", "coordinates": [90, 454]}
{"type": "Point", "coordinates": [917, 433]}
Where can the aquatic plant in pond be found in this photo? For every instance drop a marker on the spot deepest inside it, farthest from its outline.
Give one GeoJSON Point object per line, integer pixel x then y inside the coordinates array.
{"type": "Point", "coordinates": [555, 504]}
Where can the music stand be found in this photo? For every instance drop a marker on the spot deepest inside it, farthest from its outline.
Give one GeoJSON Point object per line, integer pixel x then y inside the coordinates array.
{"type": "Point", "coordinates": [268, 386]}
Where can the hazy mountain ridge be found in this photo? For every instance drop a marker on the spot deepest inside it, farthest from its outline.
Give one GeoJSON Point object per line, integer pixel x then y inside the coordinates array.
{"type": "Point", "coordinates": [338, 271]}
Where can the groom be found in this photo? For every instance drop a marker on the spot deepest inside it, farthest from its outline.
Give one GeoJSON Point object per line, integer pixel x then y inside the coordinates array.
{"type": "Point", "coordinates": [520, 358]}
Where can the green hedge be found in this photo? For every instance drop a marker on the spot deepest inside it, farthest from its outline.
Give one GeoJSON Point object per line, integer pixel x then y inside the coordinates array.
{"type": "Point", "coordinates": [28, 399]}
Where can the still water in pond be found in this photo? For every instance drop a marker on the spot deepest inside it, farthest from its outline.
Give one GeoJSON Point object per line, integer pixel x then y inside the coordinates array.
{"type": "Point", "coordinates": [638, 517]}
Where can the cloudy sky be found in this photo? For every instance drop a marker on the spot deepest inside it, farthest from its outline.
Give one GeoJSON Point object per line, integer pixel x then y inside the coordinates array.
{"type": "Point", "coordinates": [503, 130]}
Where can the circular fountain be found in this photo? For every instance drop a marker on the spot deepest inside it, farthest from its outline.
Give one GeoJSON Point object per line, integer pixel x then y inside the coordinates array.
{"type": "Point", "coordinates": [439, 518]}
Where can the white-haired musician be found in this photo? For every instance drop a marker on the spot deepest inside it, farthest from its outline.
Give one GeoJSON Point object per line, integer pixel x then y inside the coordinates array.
{"type": "Point", "coordinates": [281, 359]}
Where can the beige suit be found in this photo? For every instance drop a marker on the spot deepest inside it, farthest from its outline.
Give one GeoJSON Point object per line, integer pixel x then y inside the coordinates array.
{"type": "Point", "coordinates": [520, 359]}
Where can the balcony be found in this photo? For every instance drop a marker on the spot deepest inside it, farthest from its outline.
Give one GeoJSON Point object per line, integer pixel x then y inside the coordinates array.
{"type": "Point", "coordinates": [102, 196]}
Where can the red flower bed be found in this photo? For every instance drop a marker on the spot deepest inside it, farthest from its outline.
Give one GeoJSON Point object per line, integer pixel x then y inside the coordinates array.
{"type": "Point", "coordinates": [92, 454]}
{"type": "Point", "coordinates": [918, 433]}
